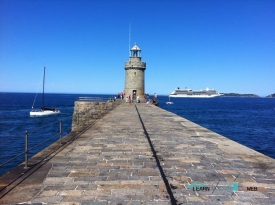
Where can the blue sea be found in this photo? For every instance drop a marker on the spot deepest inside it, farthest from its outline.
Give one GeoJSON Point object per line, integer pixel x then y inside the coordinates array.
{"type": "Point", "coordinates": [249, 121]}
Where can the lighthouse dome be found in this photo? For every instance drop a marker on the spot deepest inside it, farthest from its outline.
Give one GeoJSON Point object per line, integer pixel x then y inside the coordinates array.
{"type": "Point", "coordinates": [135, 48]}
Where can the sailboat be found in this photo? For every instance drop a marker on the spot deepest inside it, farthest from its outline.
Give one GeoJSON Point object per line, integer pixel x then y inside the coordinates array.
{"type": "Point", "coordinates": [44, 111]}
{"type": "Point", "coordinates": [169, 102]}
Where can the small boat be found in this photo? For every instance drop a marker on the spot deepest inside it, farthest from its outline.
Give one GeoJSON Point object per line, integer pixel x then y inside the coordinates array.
{"type": "Point", "coordinates": [169, 102]}
{"type": "Point", "coordinates": [44, 111]}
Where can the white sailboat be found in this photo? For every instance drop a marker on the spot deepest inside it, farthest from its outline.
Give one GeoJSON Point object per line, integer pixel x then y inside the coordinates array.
{"type": "Point", "coordinates": [169, 102]}
{"type": "Point", "coordinates": [44, 111]}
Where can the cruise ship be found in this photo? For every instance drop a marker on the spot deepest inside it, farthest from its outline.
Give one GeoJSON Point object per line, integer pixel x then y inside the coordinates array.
{"type": "Point", "coordinates": [189, 93]}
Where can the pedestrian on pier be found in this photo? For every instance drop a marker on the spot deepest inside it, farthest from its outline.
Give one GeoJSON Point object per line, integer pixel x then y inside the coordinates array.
{"type": "Point", "coordinates": [138, 99]}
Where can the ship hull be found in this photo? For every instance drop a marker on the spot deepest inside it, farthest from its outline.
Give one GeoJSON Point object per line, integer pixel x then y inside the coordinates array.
{"type": "Point", "coordinates": [189, 93]}
{"type": "Point", "coordinates": [194, 96]}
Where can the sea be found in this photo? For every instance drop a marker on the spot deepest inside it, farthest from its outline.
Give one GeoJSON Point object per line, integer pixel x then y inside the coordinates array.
{"type": "Point", "coordinates": [248, 121]}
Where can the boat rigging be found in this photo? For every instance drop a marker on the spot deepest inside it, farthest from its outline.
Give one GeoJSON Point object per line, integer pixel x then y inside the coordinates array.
{"type": "Point", "coordinates": [44, 111]}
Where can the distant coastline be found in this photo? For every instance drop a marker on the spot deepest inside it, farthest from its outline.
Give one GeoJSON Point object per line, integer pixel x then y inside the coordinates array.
{"type": "Point", "coordinates": [245, 95]}
{"type": "Point", "coordinates": [239, 95]}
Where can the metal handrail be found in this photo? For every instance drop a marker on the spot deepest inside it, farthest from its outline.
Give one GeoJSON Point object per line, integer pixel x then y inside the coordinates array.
{"type": "Point", "coordinates": [27, 149]}
{"type": "Point", "coordinates": [8, 139]}
{"type": "Point", "coordinates": [93, 99]}
{"type": "Point", "coordinates": [1, 165]}
{"type": "Point", "coordinates": [42, 142]}
{"type": "Point", "coordinates": [26, 145]}
{"type": "Point", "coordinates": [51, 123]}
{"type": "Point", "coordinates": [35, 146]}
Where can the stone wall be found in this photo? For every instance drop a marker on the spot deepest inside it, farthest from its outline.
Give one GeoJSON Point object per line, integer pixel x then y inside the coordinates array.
{"type": "Point", "coordinates": [86, 112]}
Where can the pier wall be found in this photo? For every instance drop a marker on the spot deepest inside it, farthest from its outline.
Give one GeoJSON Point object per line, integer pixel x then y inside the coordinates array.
{"type": "Point", "coordinates": [86, 112]}
{"type": "Point", "coordinates": [137, 154]}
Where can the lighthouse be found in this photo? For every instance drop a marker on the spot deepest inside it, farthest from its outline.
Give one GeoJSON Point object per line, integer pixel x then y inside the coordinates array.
{"type": "Point", "coordinates": [134, 74]}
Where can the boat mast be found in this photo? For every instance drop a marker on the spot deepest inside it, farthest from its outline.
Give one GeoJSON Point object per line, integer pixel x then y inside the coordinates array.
{"type": "Point", "coordinates": [43, 88]}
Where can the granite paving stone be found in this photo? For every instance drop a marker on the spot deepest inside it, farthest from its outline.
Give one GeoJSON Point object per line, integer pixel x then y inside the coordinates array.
{"type": "Point", "coordinates": [113, 162]}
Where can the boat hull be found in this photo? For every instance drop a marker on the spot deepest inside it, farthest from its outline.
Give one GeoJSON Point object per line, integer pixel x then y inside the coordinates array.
{"type": "Point", "coordinates": [37, 113]}
{"type": "Point", "coordinates": [195, 96]}
{"type": "Point", "coordinates": [189, 93]}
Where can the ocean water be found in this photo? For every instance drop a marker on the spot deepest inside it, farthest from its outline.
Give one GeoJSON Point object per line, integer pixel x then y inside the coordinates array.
{"type": "Point", "coordinates": [15, 120]}
{"type": "Point", "coordinates": [249, 121]}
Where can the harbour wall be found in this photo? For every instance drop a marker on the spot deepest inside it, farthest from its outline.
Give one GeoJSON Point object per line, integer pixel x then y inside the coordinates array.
{"type": "Point", "coordinates": [86, 112]}
{"type": "Point", "coordinates": [143, 155]}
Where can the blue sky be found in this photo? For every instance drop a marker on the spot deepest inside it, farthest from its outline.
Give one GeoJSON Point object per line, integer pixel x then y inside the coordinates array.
{"type": "Point", "coordinates": [220, 44]}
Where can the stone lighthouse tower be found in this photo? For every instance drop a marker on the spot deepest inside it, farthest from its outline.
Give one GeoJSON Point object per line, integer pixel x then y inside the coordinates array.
{"type": "Point", "coordinates": [134, 74]}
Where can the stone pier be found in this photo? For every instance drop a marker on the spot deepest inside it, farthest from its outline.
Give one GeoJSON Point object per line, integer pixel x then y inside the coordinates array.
{"type": "Point", "coordinates": [86, 112]}
{"type": "Point", "coordinates": [139, 154]}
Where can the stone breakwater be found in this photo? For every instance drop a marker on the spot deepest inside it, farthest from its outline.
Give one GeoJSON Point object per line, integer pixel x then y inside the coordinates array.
{"type": "Point", "coordinates": [86, 112]}
{"type": "Point", "coordinates": [137, 154]}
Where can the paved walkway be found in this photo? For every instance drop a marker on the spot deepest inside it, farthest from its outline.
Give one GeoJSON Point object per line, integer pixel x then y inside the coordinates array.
{"type": "Point", "coordinates": [139, 154]}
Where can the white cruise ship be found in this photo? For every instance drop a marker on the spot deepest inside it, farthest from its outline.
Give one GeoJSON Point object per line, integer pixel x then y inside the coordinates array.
{"type": "Point", "coordinates": [189, 93]}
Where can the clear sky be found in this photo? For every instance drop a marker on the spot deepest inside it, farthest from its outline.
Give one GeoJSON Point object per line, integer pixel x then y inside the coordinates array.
{"type": "Point", "coordinates": [228, 45]}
